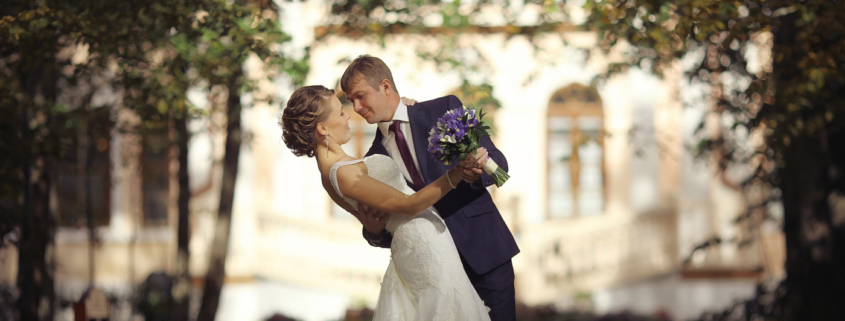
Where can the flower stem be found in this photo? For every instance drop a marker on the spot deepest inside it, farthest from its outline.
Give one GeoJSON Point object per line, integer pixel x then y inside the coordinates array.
{"type": "Point", "coordinates": [499, 175]}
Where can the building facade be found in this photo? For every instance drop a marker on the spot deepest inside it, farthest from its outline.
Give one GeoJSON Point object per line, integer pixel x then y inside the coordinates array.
{"type": "Point", "coordinates": [605, 198]}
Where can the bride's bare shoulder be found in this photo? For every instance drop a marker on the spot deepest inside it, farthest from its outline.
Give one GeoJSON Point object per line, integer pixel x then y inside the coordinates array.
{"type": "Point", "coordinates": [325, 165]}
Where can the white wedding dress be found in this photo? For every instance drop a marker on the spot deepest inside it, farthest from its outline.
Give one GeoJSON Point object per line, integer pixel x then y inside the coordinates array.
{"type": "Point", "coordinates": [425, 279]}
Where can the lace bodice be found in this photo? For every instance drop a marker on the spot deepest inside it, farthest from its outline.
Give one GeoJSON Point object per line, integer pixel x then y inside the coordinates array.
{"type": "Point", "coordinates": [380, 167]}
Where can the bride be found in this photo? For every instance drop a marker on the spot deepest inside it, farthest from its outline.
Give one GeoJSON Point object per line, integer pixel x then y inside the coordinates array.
{"type": "Point", "coordinates": [425, 279]}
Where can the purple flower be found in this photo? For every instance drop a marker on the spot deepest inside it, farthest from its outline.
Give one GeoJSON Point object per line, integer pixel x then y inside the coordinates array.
{"type": "Point", "coordinates": [448, 138]}
{"type": "Point", "coordinates": [458, 132]}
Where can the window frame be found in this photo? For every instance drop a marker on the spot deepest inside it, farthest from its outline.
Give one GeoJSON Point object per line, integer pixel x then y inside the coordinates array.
{"type": "Point", "coordinates": [167, 152]}
{"type": "Point", "coordinates": [98, 131]}
{"type": "Point", "coordinates": [574, 109]}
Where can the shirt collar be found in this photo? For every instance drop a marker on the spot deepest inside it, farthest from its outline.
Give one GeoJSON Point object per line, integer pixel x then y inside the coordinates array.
{"type": "Point", "coordinates": [401, 114]}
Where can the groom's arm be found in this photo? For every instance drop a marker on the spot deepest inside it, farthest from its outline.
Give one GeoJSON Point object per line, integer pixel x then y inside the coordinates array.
{"type": "Point", "coordinates": [372, 220]}
{"type": "Point", "coordinates": [495, 155]}
{"type": "Point", "coordinates": [384, 240]}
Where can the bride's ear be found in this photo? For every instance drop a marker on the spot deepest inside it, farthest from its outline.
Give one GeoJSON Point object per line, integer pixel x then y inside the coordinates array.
{"type": "Point", "coordinates": [322, 129]}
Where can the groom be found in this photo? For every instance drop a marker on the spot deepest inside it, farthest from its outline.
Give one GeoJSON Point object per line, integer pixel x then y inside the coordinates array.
{"type": "Point", "coordinates": [484, 242]}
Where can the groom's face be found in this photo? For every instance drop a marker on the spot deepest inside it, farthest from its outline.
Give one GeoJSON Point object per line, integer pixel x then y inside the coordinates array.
{"type": "Point", "coordinates": [370, 102]}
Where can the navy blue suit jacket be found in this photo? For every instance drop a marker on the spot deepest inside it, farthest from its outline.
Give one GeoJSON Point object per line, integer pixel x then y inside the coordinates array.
{"type": "Point", "coordinates": [480, 233]}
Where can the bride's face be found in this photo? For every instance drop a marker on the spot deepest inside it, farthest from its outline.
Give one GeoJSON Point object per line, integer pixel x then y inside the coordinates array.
{"type": "Point", "coordinates": [337, 124]}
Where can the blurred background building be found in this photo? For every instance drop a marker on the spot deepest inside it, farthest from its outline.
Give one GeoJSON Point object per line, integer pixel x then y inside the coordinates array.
{"type": "Point", "coordinates": [606, 200]}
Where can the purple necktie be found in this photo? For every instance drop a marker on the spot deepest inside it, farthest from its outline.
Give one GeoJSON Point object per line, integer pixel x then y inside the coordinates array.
{"type": "Point", "coordinates": [406, 155]}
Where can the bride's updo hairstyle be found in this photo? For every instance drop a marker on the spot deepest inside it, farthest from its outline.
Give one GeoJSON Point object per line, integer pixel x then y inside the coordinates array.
{"type": "Point", "coordinates": [307, 106]}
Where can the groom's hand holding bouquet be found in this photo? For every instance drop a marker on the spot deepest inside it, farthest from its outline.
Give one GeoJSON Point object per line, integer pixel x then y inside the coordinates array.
{"type": "Point", "coordinates": [457, 136]}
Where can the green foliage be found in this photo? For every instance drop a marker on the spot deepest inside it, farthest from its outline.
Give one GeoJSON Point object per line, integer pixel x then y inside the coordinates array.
{"type": "Point", "coordinates": [724, 32]}
{"type": "Point", "coordinates": [479, 97]}
{"type": "Point", "coordinates": [148, 53]}
{"type": "Point", "coordinates": [773, 74]}
{"type": "Point", "coordinates": [377, 20]}
{"type": "Point", "coordinates": [720, 35]}
{"type": "Point", "coordinates": [794, 86]}
{"type": "Point", "coordinates": [141, 56]}
{"type": "Point", "coordinates": [385, 17]}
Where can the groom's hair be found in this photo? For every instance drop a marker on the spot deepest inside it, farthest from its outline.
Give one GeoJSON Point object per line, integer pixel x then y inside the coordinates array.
{"type": "Point", "coordinates": [366, 67]}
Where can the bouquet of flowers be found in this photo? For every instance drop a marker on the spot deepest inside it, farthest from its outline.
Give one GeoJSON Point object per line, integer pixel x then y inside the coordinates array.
{"type": "Point", "coordinates": [459, 133]}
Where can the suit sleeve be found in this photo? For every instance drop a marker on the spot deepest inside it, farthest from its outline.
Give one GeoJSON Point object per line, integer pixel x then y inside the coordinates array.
{"type": "Point", "coordinates": [497, 156]}
{"type": "Point", "coordinates": [384, 242]}
{"type": "Point", "coordinates": [494, 153]}
{"type": "Point", "coordinates": [373, 150]}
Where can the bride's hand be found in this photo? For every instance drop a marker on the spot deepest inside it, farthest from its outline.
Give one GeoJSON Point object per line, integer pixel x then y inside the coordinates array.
{"type": "Point", "coordinates": [476, 160]}
{"type": "Point", "coordinates": [469, 169]}
{"type": "Point", "coordinates": [408, 101]}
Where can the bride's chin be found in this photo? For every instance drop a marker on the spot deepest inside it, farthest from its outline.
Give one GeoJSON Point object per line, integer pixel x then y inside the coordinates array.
{"type": "Point", "coordinates": [347, 140]}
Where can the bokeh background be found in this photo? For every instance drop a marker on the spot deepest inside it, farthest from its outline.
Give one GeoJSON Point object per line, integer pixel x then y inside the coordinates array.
{"type": "Point", "coordinates": [669, 160]}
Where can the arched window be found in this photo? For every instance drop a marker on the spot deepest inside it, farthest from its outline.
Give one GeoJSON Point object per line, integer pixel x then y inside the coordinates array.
{"type": "Point", "coordinates": [575, 153]}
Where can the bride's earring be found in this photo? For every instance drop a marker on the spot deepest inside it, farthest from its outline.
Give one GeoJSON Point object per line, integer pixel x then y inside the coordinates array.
{"type": "Point", "coordinates": [327, 144]}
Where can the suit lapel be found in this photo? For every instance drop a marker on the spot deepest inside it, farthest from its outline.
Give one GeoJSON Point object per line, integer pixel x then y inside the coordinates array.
{"type": "Point", "coordinates": [377, 147]}
{"type": "Point", "coordinates": [416, 117]}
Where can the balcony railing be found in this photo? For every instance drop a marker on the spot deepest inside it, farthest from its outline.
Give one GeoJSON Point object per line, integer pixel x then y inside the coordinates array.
{"type": "Point", "coordinates": [582, 255]}
{"type": "Point", "coordinates": [328, 254]}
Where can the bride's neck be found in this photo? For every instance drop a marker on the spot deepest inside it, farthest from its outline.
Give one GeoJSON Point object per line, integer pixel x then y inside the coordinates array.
{"type": "Point", "coordinates": [330, 155]}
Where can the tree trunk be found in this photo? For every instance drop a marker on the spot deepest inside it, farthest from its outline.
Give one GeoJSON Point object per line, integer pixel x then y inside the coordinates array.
{"type": "Point", "coordinates": [815, 250]}
{"type": "Point", "coordinates": [35, 270]}
{"type": "Point", "coordinates": [87, 162]}
{"type": "Point", "coordinates": [219, 246]}
{"type": "Point", "coordinates": [35, 265]}
{"type": "Point", "coordinates": [182, 288]}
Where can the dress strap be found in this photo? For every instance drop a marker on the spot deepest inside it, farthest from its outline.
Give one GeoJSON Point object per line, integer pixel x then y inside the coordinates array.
{"type": "Point", "coordinates": [333, 173]}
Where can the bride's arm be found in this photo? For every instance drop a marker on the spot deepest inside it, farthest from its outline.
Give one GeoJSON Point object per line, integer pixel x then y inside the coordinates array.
{"type": "Point", "coordinates": [337, 199]}
{"type": "Point", "coordinates": [368, 217]}
{"type": "Point", "coordinates": [354, 183]}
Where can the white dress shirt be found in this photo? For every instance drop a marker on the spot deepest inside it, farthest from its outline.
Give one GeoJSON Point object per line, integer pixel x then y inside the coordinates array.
{"type": "Point", "coordinates": [389, 140]}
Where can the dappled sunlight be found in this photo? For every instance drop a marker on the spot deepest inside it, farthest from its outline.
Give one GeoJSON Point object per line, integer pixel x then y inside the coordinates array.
{"type": "Point", "coordinates": [663, 157]}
